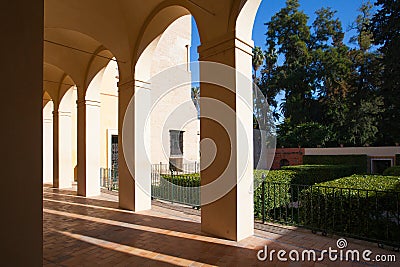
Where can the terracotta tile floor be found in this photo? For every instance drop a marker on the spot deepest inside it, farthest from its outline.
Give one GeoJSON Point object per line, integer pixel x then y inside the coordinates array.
{"type": "Point", "coordinates": [94, 232]}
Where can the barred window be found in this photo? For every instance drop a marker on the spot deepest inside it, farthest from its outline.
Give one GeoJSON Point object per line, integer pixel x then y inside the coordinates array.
{"type": "Point", "coordinates": [176, 142]}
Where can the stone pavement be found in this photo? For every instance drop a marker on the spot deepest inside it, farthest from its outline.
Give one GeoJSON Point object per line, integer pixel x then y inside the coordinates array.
{"type": "Point", "coordinates": [94, 232]}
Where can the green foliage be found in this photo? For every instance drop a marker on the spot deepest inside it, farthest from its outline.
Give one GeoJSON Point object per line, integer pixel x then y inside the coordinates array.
{"type": "Point", "coordinates": [182, 189]}
{"type": "Point", "coordinates": [258, 59]}
{"type": "Point", "coordinates": [366, 182]}
{"type": "Point", "coordinates": [289, 35]}
{"type": "Point", "coordinates": [311, 174]}
{"type": "Point", "coordinates": [358, 114]}
{"type": "Point", "coordinates": [359, 162]}
{"type": "Point", "coordinates": [195, 94]}
{"type": "Point", "coordinates": [392, 171]}
{"type": "Point", "coordinates": [310, 134]}
{"type": "Point", "coordinates": [276, 176]}
{"type": "Point", "coordinates": [184, 180]}
{"type": "Point", "coordinates": [278, 191]}
{"type": "Point", "coordinates": [339, 206]}
{"type": "Point", "coordinates": [385, 27]}
{"type": "Point", "coordinates": [332, 93]}
{"type": "Point", "coordinates": [274, 196]}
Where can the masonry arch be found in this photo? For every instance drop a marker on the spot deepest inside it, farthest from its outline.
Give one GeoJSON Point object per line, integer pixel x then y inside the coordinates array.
{"type": "Point", "coordinates": [64, 135]}
{"type": "Point", "coordinates": [97, 118]}
{"type": "Point", "coordinates": [156, 24]}
{"type": "Point", "coordinates": [242, 17]}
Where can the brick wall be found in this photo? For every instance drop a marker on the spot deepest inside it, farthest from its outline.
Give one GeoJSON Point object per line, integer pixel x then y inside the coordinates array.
{"type": "Point", "coordinates": [292, 156]}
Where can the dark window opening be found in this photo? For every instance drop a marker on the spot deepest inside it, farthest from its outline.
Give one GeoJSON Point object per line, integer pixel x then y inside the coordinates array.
{"type": "Point", "coordinates": [176, 143]}
{"type": "Point", "coordinates": [379, 166]}
{"type": "Point", "coordinates": [114, 152]}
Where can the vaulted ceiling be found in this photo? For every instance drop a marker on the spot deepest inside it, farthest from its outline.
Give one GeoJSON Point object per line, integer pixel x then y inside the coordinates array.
{"type": "Point", "coordinates": [82, 36]}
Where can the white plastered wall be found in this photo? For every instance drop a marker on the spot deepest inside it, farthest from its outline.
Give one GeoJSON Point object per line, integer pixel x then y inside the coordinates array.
{"type": "Point", "coordinates": [172, 50]}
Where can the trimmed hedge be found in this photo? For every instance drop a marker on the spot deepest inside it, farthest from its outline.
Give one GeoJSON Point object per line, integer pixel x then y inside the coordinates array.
{"type": "Point", "coordinates": [311, 174]}
{"type": "Point", "coordinates": [186, 192]}
{"type": "Point", "coordinates": [392, 171]}
{"type": "Point", "coordinates": [276, 176]}
{"type": "Point", "coordinates": [185, 180]}
{"type": "Point", "coordinates": [366, 182]}
{"type": "Point", "coordinates": [359, 161]}
{"type": "Point", "coordinates": [278, 191]}
{"type": "Point", "coordinates": [273, 196]}
{"type": "Point", "coordinates": [303, 174]}
{"type": "Point", "coordinates": [363, 206]}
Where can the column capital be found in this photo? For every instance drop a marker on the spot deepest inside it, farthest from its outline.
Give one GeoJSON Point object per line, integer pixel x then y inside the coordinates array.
{"type": "Point", "coordinates": [226, 42]}
{"type": "Point", "coordinates": [133, 84]}
{"type": "Point", "coordinates": [47, 119]}
{"type": "Point", "coordinates": [65, 114]}
{"type": "Point", "coordinates": [62, 114]}
{"type": "Point", "coordinates": [87, 102]}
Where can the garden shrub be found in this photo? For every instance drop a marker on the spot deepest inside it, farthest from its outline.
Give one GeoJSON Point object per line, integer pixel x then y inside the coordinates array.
{"type": "Point", "coordinates": [276, 191]}
{"type": "Point", "coordinates": [360, 162]}
{"type": "Point", "coordinates": [392, 171]}
{"type": "Point", "coordinates": [178, 188]}
{"type": "Point", "coordinates": [279, 193]}
{"type": "Point", "coordinates": [184, 180]}
{"type": "Point", "coordinates": [311, 174]}
{"type": "Point", "coordinates": [365, 206]}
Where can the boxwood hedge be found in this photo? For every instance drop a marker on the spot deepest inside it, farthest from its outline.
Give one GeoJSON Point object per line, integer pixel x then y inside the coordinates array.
{"type": "Point", "coordinates": [275, 195]}
{"type": "Point", "coordinates": [360, 162]}
{"type": "Point", "coordinates": [364, 206]}
{"type": "Point", "coordinates": [311, 174]}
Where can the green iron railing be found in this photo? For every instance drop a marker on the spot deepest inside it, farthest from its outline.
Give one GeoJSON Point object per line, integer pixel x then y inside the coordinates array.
{"type": "Point", "coordinates": [364, 214]}
{"type": "Point", "coordinates": [371, 215]}
{"type": "Point", "coordinates": [109, 178]}
{"type": "Point", "coordinates": [181, 186]}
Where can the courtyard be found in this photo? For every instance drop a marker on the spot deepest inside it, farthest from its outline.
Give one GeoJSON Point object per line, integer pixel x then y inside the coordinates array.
{"type": "Point", "coordinates": [94, 231]}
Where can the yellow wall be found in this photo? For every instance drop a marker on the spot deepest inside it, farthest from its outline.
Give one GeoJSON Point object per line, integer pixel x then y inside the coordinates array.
{"type": "Point", "coordinates": [108, 110]}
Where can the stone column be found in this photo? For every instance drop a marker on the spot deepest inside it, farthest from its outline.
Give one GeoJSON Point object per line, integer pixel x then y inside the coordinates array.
{"type": "Point", "coordinates": [48, 144]}
{"type": "Point", "coordinates": [63, 171]}
{"type": "Point", "coordinates": [134, 165]}
{"type": "Point", "coordinates": [227, 131]}
{"type": "Point", "coordinates": [56, 154]}
{"type": "Point", "coordinates": [21, 27]}
{"type": "Point", "coordinates": [88, 148]}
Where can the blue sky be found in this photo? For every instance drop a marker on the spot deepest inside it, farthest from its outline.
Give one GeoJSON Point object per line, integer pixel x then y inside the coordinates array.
{"type": "Point", "coordinates": [346, 12]}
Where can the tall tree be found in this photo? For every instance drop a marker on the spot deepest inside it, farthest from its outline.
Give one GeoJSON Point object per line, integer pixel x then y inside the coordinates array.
{"type": "Point", "coordinates": [385, 27]}
{"type": "Point", "coordinates": [267, 84]}
{"type": "Point", "coordinates": [195, 93]}
{"type": "Point", "coordinates": [364, 103]}
{"type": "Point", "coordinates": [332, 66]}
{"type": "Point", "coordinates": [289, 35]}
{"type": "Point", "coordinates": [258, 60]}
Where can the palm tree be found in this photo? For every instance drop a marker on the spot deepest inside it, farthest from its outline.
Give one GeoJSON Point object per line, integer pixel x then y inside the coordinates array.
{"type": "Point", "coordinates": [271, 58]}
{"type": "Point", "coordinates": [258, 59]}
{"type": "Point", "coordinates": [196, 99]}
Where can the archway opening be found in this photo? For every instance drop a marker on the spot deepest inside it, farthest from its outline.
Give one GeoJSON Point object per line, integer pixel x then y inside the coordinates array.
{"type": "Point", "coordinates": [173, 119]}
{"type": "Point", "coordinates": [48, 109]}
{"type": "Point", "coordinates": [101, 128]}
